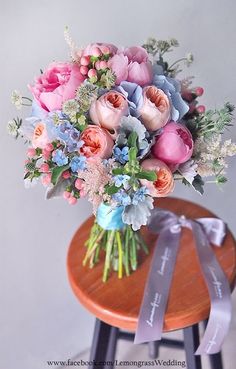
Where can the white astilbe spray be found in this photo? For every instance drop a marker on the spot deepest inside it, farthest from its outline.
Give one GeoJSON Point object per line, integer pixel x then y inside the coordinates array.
{"type": "Point", "coordinates": [75, 52]}
{"type": "Point", "coordinates": [210, 155]}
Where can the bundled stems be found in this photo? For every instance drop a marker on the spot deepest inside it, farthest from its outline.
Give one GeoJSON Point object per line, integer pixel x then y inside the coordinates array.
{"type": "Point", "coordinates": [120, 246]}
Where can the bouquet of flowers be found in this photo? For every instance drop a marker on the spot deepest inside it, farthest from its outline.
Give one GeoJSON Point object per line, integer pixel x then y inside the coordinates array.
{"type": "Point", "coordinates": [116, 125]}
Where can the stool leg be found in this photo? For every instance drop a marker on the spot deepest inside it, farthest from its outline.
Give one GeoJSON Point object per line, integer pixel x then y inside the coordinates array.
{"type": "Point", "coordinates": [103, 346]}
{"type": "Point", "coordinates": [215, 359]}
{"type": "Point", "coordinates": [111, 350]}
{"type": "Point", "coordinates": [153, 349]}
{"type": "Point", "coordinates": [191, 342]}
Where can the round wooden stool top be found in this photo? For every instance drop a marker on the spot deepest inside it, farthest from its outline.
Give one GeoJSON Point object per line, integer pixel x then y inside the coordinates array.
{"type": "Point", "coordinates": [117, 302]}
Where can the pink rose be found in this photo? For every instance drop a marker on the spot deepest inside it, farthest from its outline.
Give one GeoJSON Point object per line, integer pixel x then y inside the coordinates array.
{"type": "Point", "coordinates": [119, 65]}
{"type": "Point", "coordinates": [174, 145]}
{"type": "Point", "coordinates": [40, 137]}
{"type": "Point", "coordinates": [140, 68]}
{"type": "Point", "coordinates": [97, 143]}
{"type": "Point", "coordinates": [89, 50]}
{"type": "Point", "coordinates": [165, 181]}
{"type": "Point", "coordinates": [155, 111]}
{"type": "Point", "coordinates": [108, 109]}
{"type": "Point", "coordinates": [56, 85]}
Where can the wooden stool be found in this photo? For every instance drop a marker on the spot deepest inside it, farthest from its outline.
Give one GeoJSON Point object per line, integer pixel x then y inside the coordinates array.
{"type": "Point", "coordinates": [116, 303]}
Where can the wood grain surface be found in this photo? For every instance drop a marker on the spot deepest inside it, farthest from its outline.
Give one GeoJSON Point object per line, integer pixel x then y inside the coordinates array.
{"type": "Point", "coordinates": [117, 302]}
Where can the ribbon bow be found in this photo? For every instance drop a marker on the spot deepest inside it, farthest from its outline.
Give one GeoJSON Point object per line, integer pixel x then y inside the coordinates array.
{"type": "Point", "coordinates": [152, 312]}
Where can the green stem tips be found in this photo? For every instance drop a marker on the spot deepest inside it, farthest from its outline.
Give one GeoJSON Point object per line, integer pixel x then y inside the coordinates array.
{"type": "Point", "coordinates": [120, 246]}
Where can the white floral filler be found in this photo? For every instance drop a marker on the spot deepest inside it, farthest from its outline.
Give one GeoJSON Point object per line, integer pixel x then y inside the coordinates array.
{"type": "Point", "coordinates": [115, 124]}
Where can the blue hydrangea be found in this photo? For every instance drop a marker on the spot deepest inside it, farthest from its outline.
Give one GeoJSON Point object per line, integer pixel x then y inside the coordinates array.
{"type": "Point", "coordinates": [63, 131]}
{"type": "Point", "coordinates": [171, 88]}
{"type": "Point", "coordinates": [121, 180]}
{"type": "Point", "coordinates": [134, 95]}
{"type": "Point", "coordinates": [140, 195]}
{"type": "Point", "coordinates": [121, 155]}
{"type": "Point", "coordinates": [60, 158]}
{"type": "Point", "coordinates": [122, 198]}
{"type": "Point", "coordinates": [69, 135]}
{"type": "Point", "coordinates": [78, 163]}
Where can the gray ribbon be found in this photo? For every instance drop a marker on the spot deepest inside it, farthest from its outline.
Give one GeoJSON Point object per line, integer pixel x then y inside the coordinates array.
{"type": "Point", "coordinates": [151, 317]}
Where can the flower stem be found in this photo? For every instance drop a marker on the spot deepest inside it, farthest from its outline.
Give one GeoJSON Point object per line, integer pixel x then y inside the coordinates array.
{"type": "Point", "coordinates": [127, 252]}
{"type": "Point", "coordinates": [120, 253]}
{"type": "Point", "coordinates": [109, 245]}
{"type": "Point", "coordinates": [177, 61]}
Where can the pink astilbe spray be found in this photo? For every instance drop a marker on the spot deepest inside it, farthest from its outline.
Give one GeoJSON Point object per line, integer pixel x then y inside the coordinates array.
{"type": "Point", "coordinates": [96, 176]}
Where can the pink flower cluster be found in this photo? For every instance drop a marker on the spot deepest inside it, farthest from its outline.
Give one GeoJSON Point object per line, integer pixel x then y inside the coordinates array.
{"type": "Point", "coordinates": [134, 87]}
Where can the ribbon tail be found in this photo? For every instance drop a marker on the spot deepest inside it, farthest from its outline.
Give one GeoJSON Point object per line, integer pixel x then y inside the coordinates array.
{"type": "Point", "coordinates": [220, 295]}
{"type": "Point", "coordinates": [153, 307]}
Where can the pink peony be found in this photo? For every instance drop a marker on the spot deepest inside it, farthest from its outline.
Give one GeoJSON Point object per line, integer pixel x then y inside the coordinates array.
{"type": "Point", "coordinates": [155, 111]}
{"type": "Point", "coordinates": [97, 143]}
{"type": "Point", "coordinates": [119, 65]}
{"type": "Point", "coordinates": [56, 85]}
{"type": "Point", "coordinates": [174, 145]}
{"type": "Point", "coordinates": [131, 65]}
{"type": "Point", "coordinates": [40, 137]}
{"type": "Point", "coordinates": [165, 181]}
{"type": "Point", "coordinates": [140, 68]}
{"type": "Point", "coordinates": [108, 110]}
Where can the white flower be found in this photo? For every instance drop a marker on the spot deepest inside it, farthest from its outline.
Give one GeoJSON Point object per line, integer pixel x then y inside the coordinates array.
{"type": "Point", "coordinates": [29, 183]}
{"type": "Point", "coordinates": [188, 170]}
{"type": "Point", "coordinates": [12, 128]}
{"type": "Point", "coordinates": [16, 99]}
{"type": "Point", "coordinates": [189, 59]}
{"type": "Point", "coordinates": [70, 108]}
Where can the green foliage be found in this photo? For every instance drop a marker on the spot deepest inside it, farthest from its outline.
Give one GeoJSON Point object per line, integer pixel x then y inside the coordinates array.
{"type": "Point", "coordinates": [211, 122]}
{"type": "Point", "coordinates": [57, 172]}
{"type": "Point", "coordinates": [111, 189]}
{"type": "Point", "coordinates": [198, 184]}
{"type": "Point", "coordinates": [148, 175]}
{"type": "Point", "coordinates": [158, 48]}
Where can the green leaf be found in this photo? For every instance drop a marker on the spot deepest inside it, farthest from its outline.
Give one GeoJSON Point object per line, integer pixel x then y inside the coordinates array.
{"type": "Point", "coordinates": [220, 179]}
{"type": "Point", "coordinates": [198, 184]}
{"type": "Point", "coordinates": [185, 182]}
{"type": "Point", "coordinates": [57, 172]}
{"type": "Point", "coordinates": [132, 154]}
{"type": "Point", "coordinates": [149, 175]}
{"type": "Point", "coordinates": [38, 151]}
{"type": "Point", "coordinates": [132, 140]}
{"type": "Point", "coordinates": [118, 171]}
{"type": "Point", "coordinates": [27, 175]}
{"type": "Point", "coordinates": [111, 189]}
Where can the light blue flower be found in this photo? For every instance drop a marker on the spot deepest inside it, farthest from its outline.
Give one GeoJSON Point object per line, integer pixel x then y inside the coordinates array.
{"type": "Point", "coordinates": [37, 110]}
{"type": "Point", "coordinates": [60, 158]}
{"type": "Point", "coordinates": [121, 155]}
{"type": "Point", "coordinates": [134, 95]}
{"type": "Point", "coordinates": [140, 195]}
{"type": "Point", "coordinates": [121, 180]}
{"type": "Point", "coordinates": [122, 198]}
{"type": "Point", "coordinates": [78, 163]}
{"type": "Point", "coordinates": [171, 88]}
{"type": "Point", "coordinates": [63, 131]}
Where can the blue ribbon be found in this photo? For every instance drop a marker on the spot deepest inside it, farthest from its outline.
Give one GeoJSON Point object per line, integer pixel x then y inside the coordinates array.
{"type": "Point", "coordinates": [110, 218]}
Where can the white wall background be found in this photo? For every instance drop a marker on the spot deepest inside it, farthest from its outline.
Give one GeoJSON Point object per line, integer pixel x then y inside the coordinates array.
{"type": "Point", "coordinates": [40, 319]}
